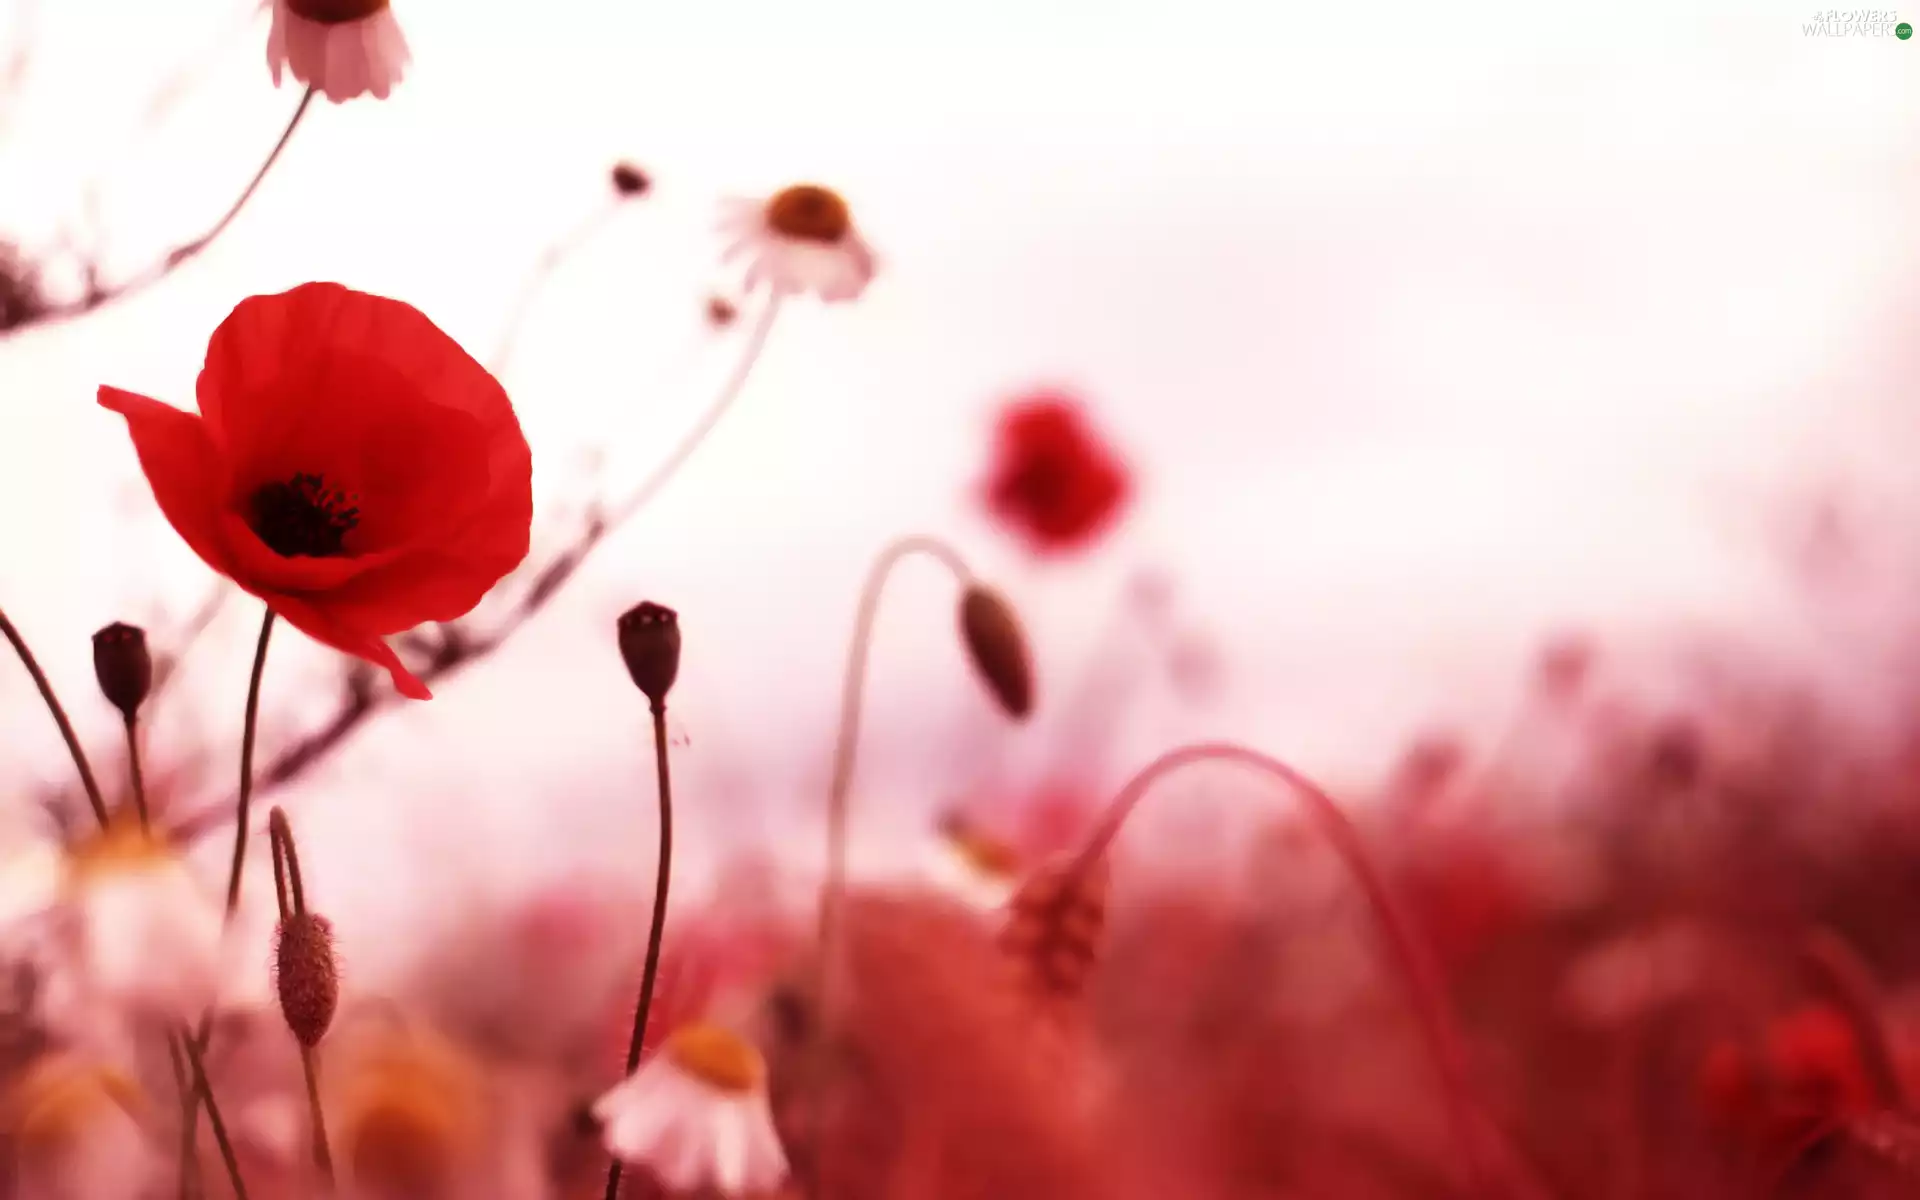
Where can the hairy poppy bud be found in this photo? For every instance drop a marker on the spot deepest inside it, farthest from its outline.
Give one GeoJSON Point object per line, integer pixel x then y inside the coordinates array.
{"type": "Point", "coordinates": [305, 976]}
{"type": "Point", "coordinates": [630, 181]}
{"type": "Point", "coordinates": [998, 648]}
{"type": "Point", "coordinates": [123, 666]}
{"type": "Point", "coordinates": [650, 644]}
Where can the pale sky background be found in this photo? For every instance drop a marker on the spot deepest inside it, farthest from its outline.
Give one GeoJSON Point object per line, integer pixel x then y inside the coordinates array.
{"type": "Point", "coordinates": [1429, 328]}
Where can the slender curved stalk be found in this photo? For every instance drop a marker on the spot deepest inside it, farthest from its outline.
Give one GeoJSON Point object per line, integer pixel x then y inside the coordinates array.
{"type": "Point", "coordinates": [214, 1120]}
{"type": "Point", "coordinates": [248, 730]}
{"type": "Point", "coordinates": [59, 713]}
{"type": "Point", "coordinates": [1417, 974]}
{"type": "Point", "coordinates": [134, 775]}
{"type": "Point", "coordinates": [663, 874]}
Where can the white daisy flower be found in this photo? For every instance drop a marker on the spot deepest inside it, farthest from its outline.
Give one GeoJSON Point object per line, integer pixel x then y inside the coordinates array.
{"type": "Point", "coordinates": [799, 242]}
{"type": "Point", "coordinates": [346, 48]}
{"type": "Point", "coordinates": [76, 1131]}
{"type": "Point", "coordinates": [972, 867]}
{"type": "Point", "coordinates": [696, 1115]}
{"type": "Point", "coordinates": [149, 939]}
{"type": "Point", "coordinates": [30, 873]}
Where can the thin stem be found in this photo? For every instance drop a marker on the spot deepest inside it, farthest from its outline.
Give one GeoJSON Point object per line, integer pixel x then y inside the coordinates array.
{"type": "Point", "coordinates": [189, 1105]}
{"type": "Point", "coordinates": [550, 261]}
{"type": "Point", "coordinates": [247, 732]}
{"type": "Point", "coordinates": [723, 401]}
{"type": "Point", "coordinates": [853, 688]}
{"type": "Point", "coordinates": [322, 1151]}
{"type": "Point", "coordinates": [1417, 975]}
{"type": "Point", "coordinates": [287, 887]}
{"type": "Point", "coordinates": [59, 717]}
{"type": "Point", "coordinates": [134, 774]}
{"type": "Point", "coordinates": [214, 1120]}
{"type": "Point", "coordinates": [98, 297]}
{"type": "Point", "coordinates": [663, 874]}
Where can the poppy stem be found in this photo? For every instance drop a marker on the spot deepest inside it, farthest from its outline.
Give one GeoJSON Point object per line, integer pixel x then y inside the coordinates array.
{"type": "Point", "coordinates": [189, 1123]}
{"type": "Point", "coordinates": [1418, 976]}
{"type": "Point", "coordinates": [134, 774]}
{"type": "Point", "coordinates": [248, 729]}
{"type": "Point", "coordinates": [214, 1120]}
{"type": "Point", "coordinates": [845, 750]}
{"type": "Point", "coordinates": [59, 717]}
{"type": "Point", "coordinates": [663, 874]}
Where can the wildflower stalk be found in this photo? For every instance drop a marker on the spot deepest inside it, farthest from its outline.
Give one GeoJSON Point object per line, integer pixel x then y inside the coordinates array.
{"type": "Point", "coordinates": [291, 895]}
{"type": "Point", "coordinates": [59, 717]}
{"type": "Point", "coordinates": [662, 876]}
{"type": "Point", "coordinates": [184, 1039]}
{"type": "Point", "coordinates": [1418, 976]}
{"type": "Point", "coordinates": [649, 637]}
{"type": "Point", "coordinates": [99, 297]}
{"type": "Point", "coordinates": [199, 1038]}
{"type": "Point", "coordinates": [134, 775]}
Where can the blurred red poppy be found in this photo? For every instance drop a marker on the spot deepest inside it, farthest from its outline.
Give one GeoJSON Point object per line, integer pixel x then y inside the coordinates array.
{"type": "Point", "coordinates": [1053, 480]}
{"type": "Point", "coordinates": [350, 465]}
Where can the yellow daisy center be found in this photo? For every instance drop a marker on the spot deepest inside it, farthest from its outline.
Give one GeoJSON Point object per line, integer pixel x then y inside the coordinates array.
{"type": "Point", "coordinates": [336, 12]}
{"type": "Point", "coordinates": [410, 1114]}
{"type": "Point", "coordinates": [719, 1058]}
{"type": "Point", "coordinates": [121, 847]}
{"type": "Point", "coordinates": [807, 212]}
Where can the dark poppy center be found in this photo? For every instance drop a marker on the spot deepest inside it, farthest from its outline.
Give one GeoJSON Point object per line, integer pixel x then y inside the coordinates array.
{"type": "Point", "coordinates": [302, 517]}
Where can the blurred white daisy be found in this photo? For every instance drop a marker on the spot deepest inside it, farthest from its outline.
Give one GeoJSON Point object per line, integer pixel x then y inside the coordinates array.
{"type": "Point", "coordinates": [148, 939]}
{"type": "Point", "coordinates": [972, 867]}
{"type": "Point", "coordinates": [696, 1115]}
{"type": "Point", "coordinates": [801, 241]}
{"type": "Point", "coordinates": [30, 873]}
{"type": "Point", "coordinates": [346, 48]}
{"type": "Point", "coordinates": [76, 1130]}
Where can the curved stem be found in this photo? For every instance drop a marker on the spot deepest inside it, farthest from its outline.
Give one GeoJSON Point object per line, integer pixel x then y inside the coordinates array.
{"type": "Point", "coordinates": [730, 390]}
{"type": "Point", "coordinates": [99, 297]}
{"type": "Point", "coordinates": [59, 717]}
{"type": "Point", "coordinates": [663, 875]}
{"type": "Point", "coordinates": [846, 745]}
{"type": "Point", "coordinates": [1417, 975]}
{"type": "Point", "coordinates": [287, 885]}
{"type": "Point", "coordinates": [247, 732]}
{"type": "Point", "coordinates": [853, 688]}
{"type": "Point", "coordinates": [550, 260]}
{"type": "Point", "coordinates": [134, 775]}
{"type": "Point", "coordinates": [322, 1149]}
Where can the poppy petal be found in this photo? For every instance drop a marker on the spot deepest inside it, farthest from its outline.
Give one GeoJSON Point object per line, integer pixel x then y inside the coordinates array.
{"type": "Point", "coordinates": [266, 573]}
{"type": "Point", "coordinates": [317, 624]}
{"type": "Point", "coordinates": [182, 465]}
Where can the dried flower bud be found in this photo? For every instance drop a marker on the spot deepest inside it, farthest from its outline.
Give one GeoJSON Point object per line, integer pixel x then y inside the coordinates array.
{"type": "Point", "coordinates": [721, 312]}
{"type": "Point", "coordinates": [1055, 922]}
{"type": "Point", "coordinates": [650, 644]}
{"type": "Point", "coordinates": [306, 977]}
{"type": "Point", "coordinates": [998, 648]}
{"type": "Point", "coordinates": [123, 666]}
{"type": "Point", "coordinates": [630, 181]}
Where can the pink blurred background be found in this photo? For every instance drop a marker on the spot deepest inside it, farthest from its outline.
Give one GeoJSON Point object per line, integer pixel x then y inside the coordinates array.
{"type": "Point", "coordinates": [1430, 330]}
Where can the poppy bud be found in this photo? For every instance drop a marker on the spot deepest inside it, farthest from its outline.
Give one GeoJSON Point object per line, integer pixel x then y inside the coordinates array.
{"type": "Point", "coordinates": [306, 977]}
{"type": "Point", "coordinates": [123, 666]}
{"type": "Point", "coordinates": [998, 648]}
{"type": "Point", "coordinates": [650, 644]}
{"type": "Point", "coordinates": [630, 181]}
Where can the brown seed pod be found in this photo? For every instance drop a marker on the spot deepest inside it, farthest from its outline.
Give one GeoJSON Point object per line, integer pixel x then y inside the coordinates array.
{"type": "Point", "coordinates": [1054, 926]}
{"type": "Point", "coordinates": [306, 976]}
{"type": "Point", "coordinates": [998, 649]}
{"type": "Point", "coordinates": [649, 637]}
{"type": "Point", "coordinates": [123, 667]}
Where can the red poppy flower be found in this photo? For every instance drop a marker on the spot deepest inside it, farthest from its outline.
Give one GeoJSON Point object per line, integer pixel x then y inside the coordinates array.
{"type": "Point", "coordinates": [1053, 480]}
{"type": "Point", "coordinates": [350, 465]}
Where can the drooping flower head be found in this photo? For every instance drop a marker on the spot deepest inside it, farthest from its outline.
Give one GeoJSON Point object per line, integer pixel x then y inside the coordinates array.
{"type": "Point", "coordinates": [350, 465]}
{"type": "Point", "coordinates": [801, 241]}
{"type": "Point", "coordinates": [1053, 481]}
{"type": "Point", "coordinates": [696, 1115]}
{"type": "Point", "coordinates": [346, 48]}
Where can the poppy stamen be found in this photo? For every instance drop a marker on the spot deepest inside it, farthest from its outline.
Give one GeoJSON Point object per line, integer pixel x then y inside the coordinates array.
{"type": "Point", "coordinates": [303, 517]}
